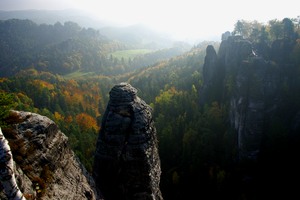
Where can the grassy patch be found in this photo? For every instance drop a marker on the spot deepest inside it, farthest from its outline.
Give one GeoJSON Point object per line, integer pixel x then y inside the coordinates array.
{"type": "Point", "coordinates": [126, 54]}
{"type": "Point", "coordinates": [78, 74]}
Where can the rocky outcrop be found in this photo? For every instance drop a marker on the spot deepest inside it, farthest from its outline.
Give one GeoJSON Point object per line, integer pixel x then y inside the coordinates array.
{"type": "Point", "coordinates": [210, 65]}
{"type": "Point", "coordinates": [126, 166]}
{"type": "Point", "coordinates": [7, 175]}
{"type": "Point", "coordinates": [252, 104]}
{"type": "Point", "coordinates": [260, 90]}
{"type": "Point", "coordinates": [249, 84]}
{"type": "Point", "coordinates": [46, 167]}
{"type": "Point", "coordinates": [127, 163]}
{"type": "Point", "coordinates": [225, 35]}
{"type": "Point", "coordinates": [229, 69]}
{"type": "Point", "coordinates": [233, 51]}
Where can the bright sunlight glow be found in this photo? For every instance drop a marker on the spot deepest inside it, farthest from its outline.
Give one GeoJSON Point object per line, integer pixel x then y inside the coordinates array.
{"type": "Point", "coordinates": [183, 18]}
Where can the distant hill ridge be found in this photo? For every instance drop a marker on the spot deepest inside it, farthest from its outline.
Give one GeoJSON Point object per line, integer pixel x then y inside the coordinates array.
{"type": "Point", "coordinates": [67, 48]}
{"type": "Point", "coordinates": [137, 35]}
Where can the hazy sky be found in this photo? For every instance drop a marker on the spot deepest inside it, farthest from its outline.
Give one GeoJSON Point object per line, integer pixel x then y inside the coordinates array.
{"type": "Point", "coordinates": [185, 18]}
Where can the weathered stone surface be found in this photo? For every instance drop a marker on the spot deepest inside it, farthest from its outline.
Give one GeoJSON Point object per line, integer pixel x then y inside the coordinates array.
{"type": "Point", "coordinates": [210, 64]}
{"type": "Point", "coordinates": [47, 167]}
{"type": "Point", "coordinates": [252, 104]}
{"type": "Point", "coordinates": [225, 35]}
{"type": "Point", "coordinates": [253, 94]}
{"type": "Point", "coordinates": [233, 51]}
{"type": "Point", "coordinates": [127, 164]}
{"type": "Point", "coordinates": [7, 174]}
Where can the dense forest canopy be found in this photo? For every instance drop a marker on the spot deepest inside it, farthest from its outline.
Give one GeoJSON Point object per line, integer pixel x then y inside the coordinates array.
{"type": "Point", "coordinates": [65, 72]}
{"type": "Point", "coordinates": [66, 48]}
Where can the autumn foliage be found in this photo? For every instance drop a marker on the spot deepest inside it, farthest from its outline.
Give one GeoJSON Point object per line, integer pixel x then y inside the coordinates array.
{"type": "Point", "coordinates": [86, 121]}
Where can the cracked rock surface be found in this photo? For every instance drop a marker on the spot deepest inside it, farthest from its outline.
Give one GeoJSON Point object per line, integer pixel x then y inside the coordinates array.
{"type": "Point", "coordinates": [127, 163]}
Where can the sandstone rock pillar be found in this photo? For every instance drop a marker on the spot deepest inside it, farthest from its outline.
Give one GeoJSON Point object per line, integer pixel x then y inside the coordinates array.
{"type": "Point", "coordinates": [127, 163]}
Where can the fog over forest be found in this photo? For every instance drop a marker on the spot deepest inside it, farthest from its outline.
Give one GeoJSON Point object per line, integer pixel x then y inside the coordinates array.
{"type": "Point", "coordinates": [188, 20]}
{"type": "Point", "coordinates": [187, 99]}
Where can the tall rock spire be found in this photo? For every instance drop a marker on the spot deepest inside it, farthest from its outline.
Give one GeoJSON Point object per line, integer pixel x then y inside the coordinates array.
{"type": "Point", "coordinates": [127, 163]}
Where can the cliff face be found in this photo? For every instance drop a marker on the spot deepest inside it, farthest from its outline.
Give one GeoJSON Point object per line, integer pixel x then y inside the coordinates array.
{"type": "Point", "coordinates": [255, 89]}
{"type": "Point", "coordinates": [46, 167]}
{"type": "Point", "coordinates": [253, 103]}
{"type": "Point", "coordinates": [127, 164]}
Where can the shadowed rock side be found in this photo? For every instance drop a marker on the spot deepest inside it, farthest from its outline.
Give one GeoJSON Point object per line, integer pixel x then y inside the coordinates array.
{"type": "Point", "coordinates": [7, 175]}
{"type": "Point", "coordinates": [253, 87]}
{"type": "Point", "coordinates": [127, 163]}
{"type": "Point", "coordinates": [210, 64]}
{"type": "Point", "coordinates": [46, 167]}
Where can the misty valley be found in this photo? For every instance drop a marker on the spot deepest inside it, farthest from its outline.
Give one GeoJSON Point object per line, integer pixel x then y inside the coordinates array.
{"type": "Point", "coordinates": [226, 112]}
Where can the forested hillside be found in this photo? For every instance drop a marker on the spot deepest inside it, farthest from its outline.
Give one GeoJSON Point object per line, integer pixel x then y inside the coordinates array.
{"type": "Point", "coordinates": [67, 77]}
{"type": "Point", "coordinates": [66, 48]}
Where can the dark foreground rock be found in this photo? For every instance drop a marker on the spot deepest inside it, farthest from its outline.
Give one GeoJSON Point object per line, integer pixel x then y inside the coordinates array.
{"type": "Point", "coordinates": [46, 167]}
{"type": "Point", "coordinates": [127, 163]}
